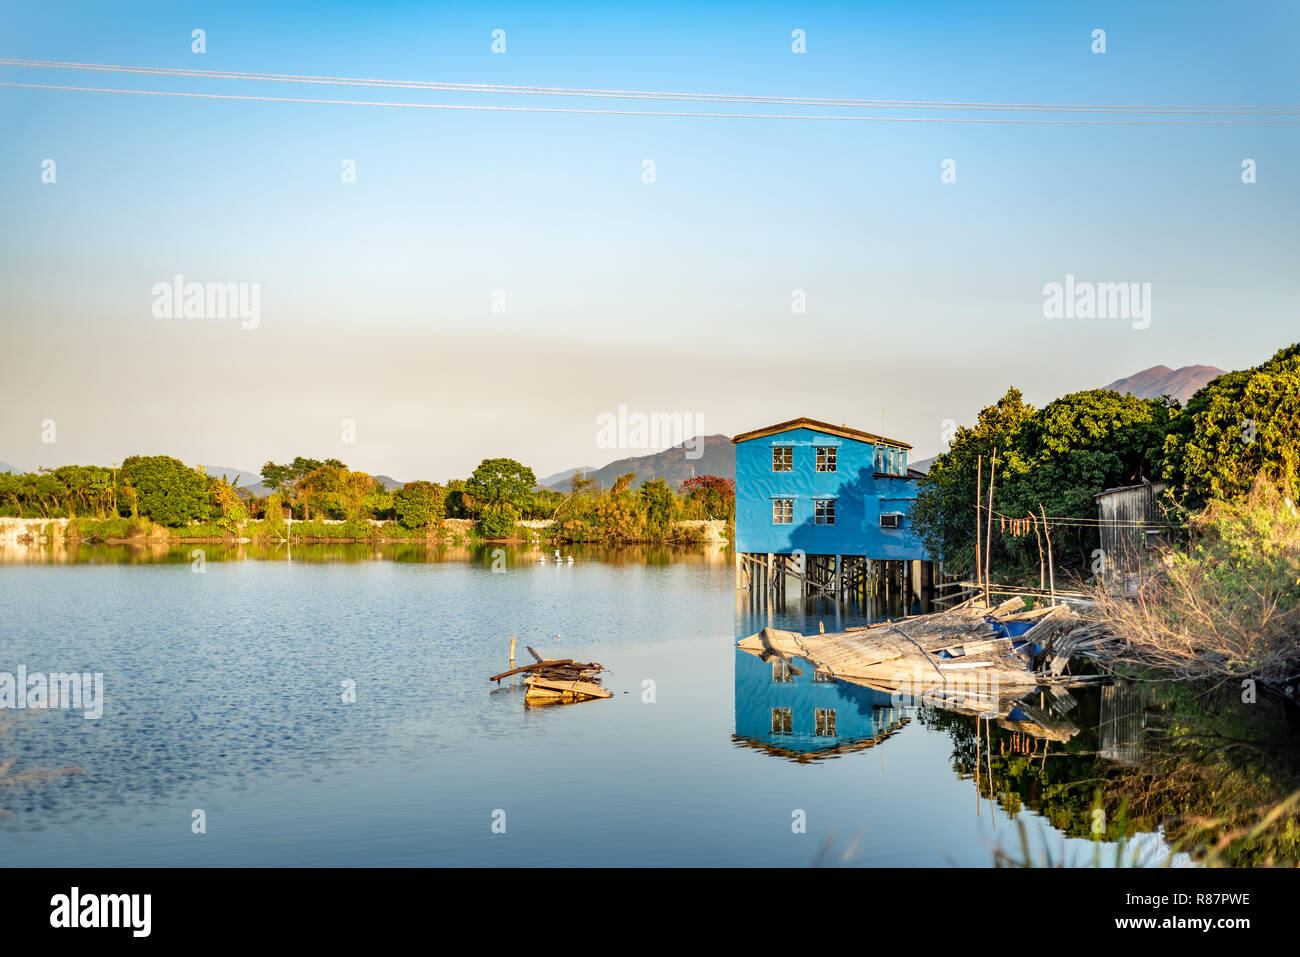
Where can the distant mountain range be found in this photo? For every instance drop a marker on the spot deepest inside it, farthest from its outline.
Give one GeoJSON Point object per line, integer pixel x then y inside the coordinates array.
{"type": "Point", "coordinates": [717, 456]}
{"type": "Point", "coordinates": [1152, 383]}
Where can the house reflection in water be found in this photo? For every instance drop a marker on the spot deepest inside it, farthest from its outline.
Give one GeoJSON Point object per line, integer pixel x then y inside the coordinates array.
{"type": "Point", "coordinates": [807, 716]}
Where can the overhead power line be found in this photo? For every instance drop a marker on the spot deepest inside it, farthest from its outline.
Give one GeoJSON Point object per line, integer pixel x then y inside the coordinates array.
{"type": "Point", "coordinates": [1254, 112]}
{"type": "Point", "coordinates": [486, 107]}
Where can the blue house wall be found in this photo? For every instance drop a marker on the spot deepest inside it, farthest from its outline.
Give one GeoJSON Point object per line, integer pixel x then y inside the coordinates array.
{"type": "Point", "coordinates": [861, 496]}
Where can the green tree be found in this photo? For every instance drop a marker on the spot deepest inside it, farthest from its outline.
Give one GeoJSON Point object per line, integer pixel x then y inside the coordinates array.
{"type": "Point", "coordinates": [378, 503]}
{"type": "Point", "coordinates": [454, 501]}
{"type": "Point", "coordinates": [1241, 425]}
{"type": "Point", "coordinates": [496, 483]}
{"type": "Point", "coordinates": [1054, 459]}
{"type": "Point", "coordinates": [1067, 452]}
{"type": "Point", "coordinates": [944, 511]}
{"type": "Point", "coordinates": [89, 489]}
{"type": "Point", "coordinates": [332, 491]}
{"type": "Point", "coordinates": [498, 521]}
{"type": "Point", "coordinates": [225, 506]}
{"type": "Point", "coordinates": [284, 478]}
{"type": "Point", "coordinates": [167, 492]}
{"type": "Point", "coordinates": [659, 506]}
{"type": "Point", "coordinates": [419, 504]}
{"type": "Point", "coordinates": [617, 514]}
{"type": "Point", "coordinates": [353, 490]}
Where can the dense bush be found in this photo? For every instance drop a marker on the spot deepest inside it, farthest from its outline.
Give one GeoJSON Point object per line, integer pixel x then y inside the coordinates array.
{"type": "Point", "coordinates": [498, 522]}
{"type": "Point", "coordinates": [419, 504]}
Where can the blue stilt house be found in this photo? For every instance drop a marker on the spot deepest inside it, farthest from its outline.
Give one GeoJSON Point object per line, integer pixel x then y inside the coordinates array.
{"type": "Point", "coordinates": [828, 505]}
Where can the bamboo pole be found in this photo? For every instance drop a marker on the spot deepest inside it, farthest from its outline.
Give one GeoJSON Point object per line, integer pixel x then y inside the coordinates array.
{"type": "Point", "coordinates": [988, 537]}
{"type": "Point", "coordinates": [512, 651]}
{"type": "Point", "coordinates": [1051, 565]}
{"type": "Point", "coordinates": [1042, 572]}
{"type": "Point", "coordinates": [979, 496]}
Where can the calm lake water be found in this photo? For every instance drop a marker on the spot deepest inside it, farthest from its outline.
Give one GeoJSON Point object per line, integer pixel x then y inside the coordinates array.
{"type": "Point", "coordinates": [223, 693]}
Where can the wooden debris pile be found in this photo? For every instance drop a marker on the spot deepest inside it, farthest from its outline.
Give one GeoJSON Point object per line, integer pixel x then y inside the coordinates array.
{"type": "Point", "coordinates": [558, 680]}
{"type": "Point", "coordinates": [962, 659]}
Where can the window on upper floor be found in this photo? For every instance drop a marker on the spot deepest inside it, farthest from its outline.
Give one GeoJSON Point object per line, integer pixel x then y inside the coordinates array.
{"type": "Point", "coordinates": [781, 670]}
{"type": "Point", "coordinates": [782, 511]}
{"type": "Point", "coordinates": [826, 458]}
{"type": "Point", "coordinates": [824, 511]}
{"type": "Point", "coordinates": [891, 461]}
{"type": "Point", "coordinates": [891, 520]}
{"type": "Point", "coordinates": [782, 458]}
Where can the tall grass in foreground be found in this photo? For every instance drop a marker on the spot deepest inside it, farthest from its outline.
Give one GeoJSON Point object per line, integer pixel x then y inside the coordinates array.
{"type": "Point", "coordinates": [1210, 842]}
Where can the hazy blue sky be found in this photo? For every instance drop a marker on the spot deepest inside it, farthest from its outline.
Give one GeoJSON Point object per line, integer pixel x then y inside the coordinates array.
{"type": "Point", "coordinates": [923, 298]}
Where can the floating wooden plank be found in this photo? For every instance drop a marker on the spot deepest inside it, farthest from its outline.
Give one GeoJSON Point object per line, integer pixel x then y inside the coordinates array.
{"type": "Point", "coordinates": [546, 688]}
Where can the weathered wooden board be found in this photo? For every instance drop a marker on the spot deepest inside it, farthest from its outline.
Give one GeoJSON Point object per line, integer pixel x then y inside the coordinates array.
{"type": "Point", "coordinates": [550, 688]}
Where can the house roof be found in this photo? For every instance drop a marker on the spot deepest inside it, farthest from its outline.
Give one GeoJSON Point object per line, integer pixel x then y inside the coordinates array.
{"type": "Point", "coordinates": [806, 423]}
{"type": "Point", "coordinates": [1154, 486]}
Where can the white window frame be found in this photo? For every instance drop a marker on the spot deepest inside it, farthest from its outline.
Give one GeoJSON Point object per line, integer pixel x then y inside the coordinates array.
{"type": "Point", "coordinates": [787, 455]}
{"type": "Point", "coordinates": [783, 502]}
{"type": "Point", "coordinates": [891, 460]}
{"type": "Point", "coordinates": [827, 456]}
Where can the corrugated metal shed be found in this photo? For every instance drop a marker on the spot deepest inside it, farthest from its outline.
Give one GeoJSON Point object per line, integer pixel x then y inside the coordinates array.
{"type": "Point", "coordinates": [1131, 523]}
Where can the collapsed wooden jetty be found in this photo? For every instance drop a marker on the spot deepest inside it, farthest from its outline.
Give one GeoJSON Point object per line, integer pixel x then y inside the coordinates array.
{"type": "Point", "coordinates": [549, 680]}
{"type": "Point", "coordinates": [993, 662]}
